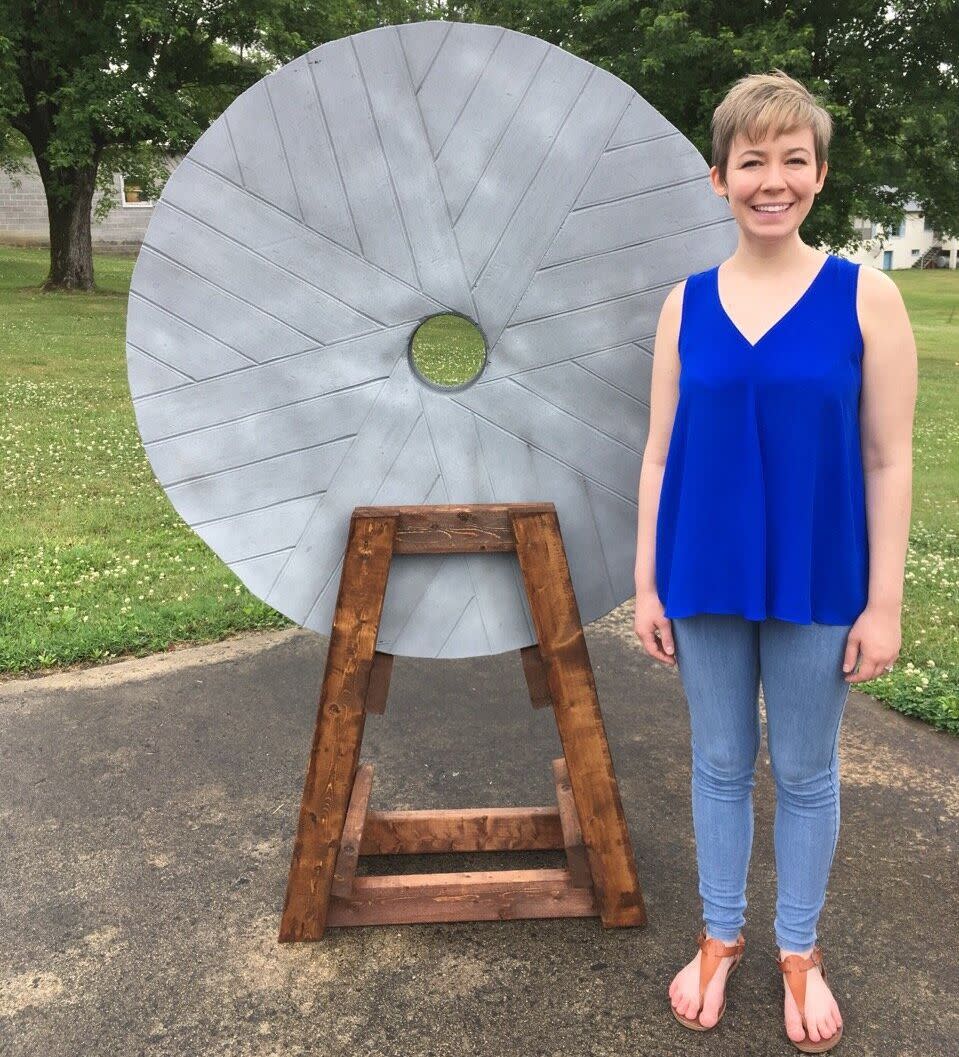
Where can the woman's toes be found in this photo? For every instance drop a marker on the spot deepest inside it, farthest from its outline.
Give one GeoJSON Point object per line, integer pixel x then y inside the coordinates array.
{"type": "Point", "coordinates": [708, 1016]}
{"type": "Point", "coordinates": [711, 1004]}
{"type": "Point", "coordinates": [795, 1031]}
{"type": "Point", "coordinates": [794, 1028]}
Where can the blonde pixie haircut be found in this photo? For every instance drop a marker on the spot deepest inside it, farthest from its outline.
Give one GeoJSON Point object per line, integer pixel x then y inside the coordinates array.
{"type": "Point", "coordinates": [764, 102]}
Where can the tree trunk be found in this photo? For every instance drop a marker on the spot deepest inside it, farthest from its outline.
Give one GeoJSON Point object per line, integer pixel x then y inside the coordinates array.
{"type": "Point", "coordinates": [69, 195]}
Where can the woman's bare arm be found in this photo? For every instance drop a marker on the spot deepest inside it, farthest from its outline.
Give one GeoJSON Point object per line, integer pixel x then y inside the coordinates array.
{"type": "Point", "coordinates": [664, 396]}
{"type": "Point", "coordinates": [890, 380]}
{"type": "Point", "coordinates": [887, 406]}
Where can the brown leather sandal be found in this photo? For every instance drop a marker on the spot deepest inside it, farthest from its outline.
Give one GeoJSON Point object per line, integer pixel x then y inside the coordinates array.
{"type": "Point", "coordinates": [713, 953]}
{"type": "Point", "coordinates": [794, 967]}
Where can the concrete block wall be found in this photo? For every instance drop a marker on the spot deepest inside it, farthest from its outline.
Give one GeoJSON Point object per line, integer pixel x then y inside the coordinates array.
{"type": "Point", "coordinates": [23, 209]}
{"type": "Point", "coordinates": [23, 216]}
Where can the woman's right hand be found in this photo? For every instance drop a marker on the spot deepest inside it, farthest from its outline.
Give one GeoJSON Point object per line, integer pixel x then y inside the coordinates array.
{"type": "Point", "coordinates": [649, 620]}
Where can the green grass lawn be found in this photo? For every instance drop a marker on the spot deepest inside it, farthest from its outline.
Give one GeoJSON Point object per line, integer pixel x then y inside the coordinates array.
{"type": "Point", "coordinates": [95, 563]}
{"type": "Point", "coordinates": [448, 350]}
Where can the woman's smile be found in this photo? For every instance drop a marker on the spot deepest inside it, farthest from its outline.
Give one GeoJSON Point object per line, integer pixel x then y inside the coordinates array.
{"type": "Point", "coordinates": [776, 210]}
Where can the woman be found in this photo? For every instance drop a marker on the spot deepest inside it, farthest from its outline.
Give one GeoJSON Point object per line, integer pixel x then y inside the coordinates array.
{"type": "Point", "coordinates": [774, 505]}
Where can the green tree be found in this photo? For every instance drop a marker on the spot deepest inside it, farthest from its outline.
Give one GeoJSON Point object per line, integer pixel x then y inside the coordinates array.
{"type": "Point", "coordinates": [97, 88]}
{"type": "Point", "coordinates": [101, 87]}
{"type": "Point", "coordinates": [885, 70]}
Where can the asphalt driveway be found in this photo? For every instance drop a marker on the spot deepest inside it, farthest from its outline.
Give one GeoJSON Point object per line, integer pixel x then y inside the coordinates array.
{"type": "Point", "coordinates": [148, 811]}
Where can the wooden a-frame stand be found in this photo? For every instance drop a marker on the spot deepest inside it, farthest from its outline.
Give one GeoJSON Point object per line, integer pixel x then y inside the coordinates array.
{"type": "Point", "coordinates": [335, 825]}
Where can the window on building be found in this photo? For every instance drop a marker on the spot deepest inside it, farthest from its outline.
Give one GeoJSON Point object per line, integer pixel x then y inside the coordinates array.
{"type": "Point", "coordinates": [915, 253]}
{"type": "Point", "coordinates": [926, 223]}
{"type": "Point", "coordinates": [131, 195]}
{"type": "Point", "coordinates": [901, 230]}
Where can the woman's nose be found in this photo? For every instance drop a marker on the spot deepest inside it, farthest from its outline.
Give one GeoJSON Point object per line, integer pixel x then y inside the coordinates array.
{"type": "Point", "coordinates": [774, 179]}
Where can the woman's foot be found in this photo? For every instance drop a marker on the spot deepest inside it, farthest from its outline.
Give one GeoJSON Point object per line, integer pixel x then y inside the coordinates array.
{"type": "Point", "coordinates": [684, 990]}
{"type": "Point", "coordinates": [823, 1019]}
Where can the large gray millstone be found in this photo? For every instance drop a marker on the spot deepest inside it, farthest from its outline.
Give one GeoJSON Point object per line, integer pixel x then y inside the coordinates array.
{"type": "Point", "coordinates": [366, 186]}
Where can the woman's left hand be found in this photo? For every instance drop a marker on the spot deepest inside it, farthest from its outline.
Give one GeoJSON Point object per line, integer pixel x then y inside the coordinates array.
{"type": "Point", "coordinates": [875, 640]}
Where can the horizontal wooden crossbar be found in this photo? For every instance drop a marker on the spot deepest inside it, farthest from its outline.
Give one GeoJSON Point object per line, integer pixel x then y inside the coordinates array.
{"type": "Point", "coordinates": [492, 895]}
{"type": "Point", "coordinates": [462, 829]}
{"type": "Point", "coordinates": [453, 529]}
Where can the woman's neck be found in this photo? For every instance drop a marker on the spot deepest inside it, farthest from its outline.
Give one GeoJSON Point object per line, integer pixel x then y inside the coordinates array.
{"type": "Point", "coordinates": [760, 258]}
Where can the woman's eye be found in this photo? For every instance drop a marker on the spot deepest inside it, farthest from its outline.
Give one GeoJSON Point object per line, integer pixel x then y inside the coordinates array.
{"type": "Point", "coordinates": [747, 164]}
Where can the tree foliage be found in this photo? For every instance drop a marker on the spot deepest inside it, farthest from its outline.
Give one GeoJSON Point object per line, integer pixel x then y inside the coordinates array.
{"type": "Point", "coordinates": [94, 88]}
{"type": "Point", "coordinates": [101, 87]}
{"type": "Point", "coordinates": [884, 69]}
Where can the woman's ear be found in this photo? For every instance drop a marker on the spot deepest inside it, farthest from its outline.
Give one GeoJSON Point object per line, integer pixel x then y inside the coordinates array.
{"type": "Point", "coordinates": [822, 176]}
{"type": "Point", "coordinates": [718, 186]}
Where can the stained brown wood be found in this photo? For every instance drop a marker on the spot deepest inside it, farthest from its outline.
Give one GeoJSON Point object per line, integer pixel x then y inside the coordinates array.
{"type": "Point", "coordinates": [493, 895]}
{"type": "Point", "coordinates": [535, 672]}
{"type": "Point", "coordinates": [542, 559]}
{"type": "Point", "coordinates": [379, 686]}
{"type": "Point", "coordinates": [335, 825]}
{"type": "Point", "coordinates": [576, 859]}
{"type": "Point", "coordinates": [339, 726]}
{"type": "Point", "coordinates": [452, 528]}
{"type": "Point", "coordinates": [472, 829]}
{"type": "Point", "coordinates": [352, 838]}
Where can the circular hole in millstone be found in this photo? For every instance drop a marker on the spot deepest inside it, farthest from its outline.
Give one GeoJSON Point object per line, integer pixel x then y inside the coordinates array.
{"type": "Point", "coordinates": [447, 351]}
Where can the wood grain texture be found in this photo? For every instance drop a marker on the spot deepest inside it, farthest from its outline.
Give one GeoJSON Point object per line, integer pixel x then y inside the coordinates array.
{"type": "Point", "coordinates": [349, 853]}
{"type": "Point", "coordinates": [453, 528]}
{"type": "Point", "coordinates": [379, 685]}
{"type": "Point", "coordinates": [576, 860]}
{"type": "Point", "coordinates": [335, 825]}
{"type": "Point", "coordinates": [542, 559]}
{"type": "Point", "coordinates": [535, 672]}
{"type": "Point", "coordinates": [496, 895]}
{"type": "Point", "coordinates": [339, 728]}
{"type": "Point", "coordinates": [439, 830]}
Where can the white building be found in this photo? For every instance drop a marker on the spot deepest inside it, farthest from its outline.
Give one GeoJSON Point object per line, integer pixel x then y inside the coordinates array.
{"type": "Point", "coordinates": [912, 245]}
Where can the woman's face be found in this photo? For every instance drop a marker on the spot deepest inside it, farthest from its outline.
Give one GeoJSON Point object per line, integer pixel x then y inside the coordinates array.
{"type": "Point", "coordinates": [779, 171]}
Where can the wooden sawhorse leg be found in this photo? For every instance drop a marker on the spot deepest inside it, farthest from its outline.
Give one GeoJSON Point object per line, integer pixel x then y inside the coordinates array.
{"type": "Point", "coordinates": [339, 727]}
{"type": "Point", "coordinates": [569, 675]}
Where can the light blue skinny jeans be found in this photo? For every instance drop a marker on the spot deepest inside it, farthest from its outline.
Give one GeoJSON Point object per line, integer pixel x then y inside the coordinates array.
{"type": "Point", "coordinates": [721, 659]}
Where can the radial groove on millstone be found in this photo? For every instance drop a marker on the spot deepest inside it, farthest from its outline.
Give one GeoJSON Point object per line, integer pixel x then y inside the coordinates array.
{"type": "Point", "coordinates": [366, 186]}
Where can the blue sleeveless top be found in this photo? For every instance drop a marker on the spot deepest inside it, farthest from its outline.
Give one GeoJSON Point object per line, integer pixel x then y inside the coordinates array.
{"type": "Point", "coordinates": [762, 510]}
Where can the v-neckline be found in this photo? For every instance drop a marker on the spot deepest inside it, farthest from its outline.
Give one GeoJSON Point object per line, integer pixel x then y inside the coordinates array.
{"type": "Point", "coordinates": [789, 311]}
